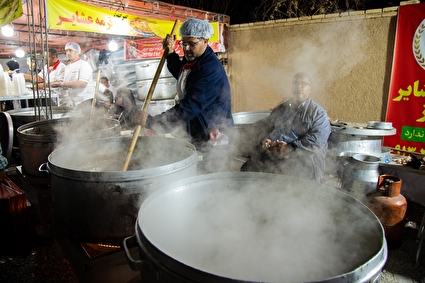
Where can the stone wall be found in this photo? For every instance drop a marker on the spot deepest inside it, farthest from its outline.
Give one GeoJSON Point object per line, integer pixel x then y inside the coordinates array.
{"type": "Point", "coordinates": [349, 56]}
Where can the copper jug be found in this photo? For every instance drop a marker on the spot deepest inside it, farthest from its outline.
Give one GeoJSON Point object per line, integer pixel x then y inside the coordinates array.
{"type": "Point", "coordinates": [390, 207]}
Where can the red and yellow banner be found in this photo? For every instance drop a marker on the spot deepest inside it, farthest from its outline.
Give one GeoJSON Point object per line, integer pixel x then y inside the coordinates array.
{"type": "Point", "coordinates": [406, 101]}
{"type": "Point", "coordinates": [151, 48]}
{"type": "Point", "coordinates": [73, 15]}
{"type": "Point", "coordinates": [9, 11]}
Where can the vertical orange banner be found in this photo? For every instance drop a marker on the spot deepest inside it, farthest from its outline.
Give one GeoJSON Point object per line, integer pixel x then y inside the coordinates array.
{"type": "Point", "coordinates": [406, 101]}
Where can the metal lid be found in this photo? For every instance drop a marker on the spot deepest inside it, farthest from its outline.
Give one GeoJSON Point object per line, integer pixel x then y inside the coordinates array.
{"type": "Point", "coordinates": [379, 125]}
{"type": "Point", "coordinates": [362, 129]}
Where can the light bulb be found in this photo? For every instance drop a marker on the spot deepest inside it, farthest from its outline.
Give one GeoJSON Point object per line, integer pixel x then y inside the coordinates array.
{"type": "Point", "coordinates": [7, 30]}
{"type": "Point", "coordinates": [113, 45]}
{"type": "Point", "coordinates": [19, 52]}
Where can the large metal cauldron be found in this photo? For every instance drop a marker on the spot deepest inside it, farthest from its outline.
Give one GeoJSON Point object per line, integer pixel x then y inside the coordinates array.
{"type": "Point", "coordinates": [94, 200]}
{"type": "Point", "coordinates": [256, 227]}
{"type": "Point", "coordinates": [27, 115]}
{"type": "Point", "coordinates": [38, 139]}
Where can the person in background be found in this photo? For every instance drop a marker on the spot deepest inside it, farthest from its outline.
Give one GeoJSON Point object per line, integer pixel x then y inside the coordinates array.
{"type": "Point", "coordinates": [293, 140]}
{"type": "Point", "coordinates": [32, 67]}
{"type": "Point", "coordinates": [13, 67]}
{"type": "Point", "coordinates": [3, 165]}
{"type": "Point", "coordinates": [204, 108]}
{"type": "Point", "coordinates": [124, 109]}
{"type": "Point", "coordinates": [105, 82]}
{"type": "Point", "coordinates": [54, 70]}
{"type": "Point", "coordinates": [77, 81]}
{"type": "Point", "coordinates": [106, 94]}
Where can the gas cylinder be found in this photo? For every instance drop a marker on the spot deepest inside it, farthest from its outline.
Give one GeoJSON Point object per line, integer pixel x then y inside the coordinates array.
{"type": "Point", "coordinates": [390, 207]}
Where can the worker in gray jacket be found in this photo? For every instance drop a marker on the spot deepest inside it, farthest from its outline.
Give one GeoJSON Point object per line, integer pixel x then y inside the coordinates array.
{"type": "Point", "coordinates": [293, 140]}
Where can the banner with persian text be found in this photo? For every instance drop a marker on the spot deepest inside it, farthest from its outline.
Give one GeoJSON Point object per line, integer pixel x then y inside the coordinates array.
{"type": "Point", "coordinates": [9, 11]}
{"type": "Point", "coordinates": [406, 101]}
{"type": "Point", "coordinates": [73, 15]}
{"type": "Point", "coordinates": [151, 48]}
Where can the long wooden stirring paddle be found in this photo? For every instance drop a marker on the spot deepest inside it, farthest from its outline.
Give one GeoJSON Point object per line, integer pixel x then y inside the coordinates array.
{"type": "Point", "coordinates": [148, 100]}
{"type": "Point", "coordinates": [96, 89]}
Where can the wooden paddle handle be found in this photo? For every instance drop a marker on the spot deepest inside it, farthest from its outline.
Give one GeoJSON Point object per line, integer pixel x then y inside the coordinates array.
{"type": "Point", "coordinates": [148, 100]}
{"type": "Point", "coordinates": [93, 105]}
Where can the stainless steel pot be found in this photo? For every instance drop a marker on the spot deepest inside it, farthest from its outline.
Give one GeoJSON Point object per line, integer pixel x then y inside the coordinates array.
{"type": "Point", "coordinates": [165, 89]}
{"type": "Point", "coordinates": [245, 131]}
{"type": "Point", "coordinates": [360, 175]}
{"type": "Point", "coordinates": [94, 200]}
{"type": "Point", "coordinates": [158, 106]}
{"type": "Point", "coordinates": [38, 139]}
{"type": "Point", "coordinates": [255, 227]}
{"type": "Point", "coordinates": [357, 138]}
{"type": "Point", "coordinates": [146, 70]}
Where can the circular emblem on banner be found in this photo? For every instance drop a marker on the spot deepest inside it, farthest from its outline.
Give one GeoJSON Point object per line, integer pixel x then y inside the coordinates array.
{"type": "Point", "coordinates": [419, 45]}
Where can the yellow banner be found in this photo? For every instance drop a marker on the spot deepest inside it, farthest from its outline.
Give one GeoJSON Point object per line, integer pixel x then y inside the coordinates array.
{"type": "Point", "coordinates": [9, 11]}
{"type": "Point", "coordinates": [73, 15]}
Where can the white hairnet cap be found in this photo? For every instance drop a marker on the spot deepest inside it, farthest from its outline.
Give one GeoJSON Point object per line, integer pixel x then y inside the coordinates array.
{"type": "Point", "coordinates": [196, 28]}
{"type": "Point", "coordinates": [73, 46]}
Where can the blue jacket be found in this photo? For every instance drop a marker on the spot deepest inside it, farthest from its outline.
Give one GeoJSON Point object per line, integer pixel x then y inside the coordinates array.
{"type": "Point", "coordinates": [206, 102]}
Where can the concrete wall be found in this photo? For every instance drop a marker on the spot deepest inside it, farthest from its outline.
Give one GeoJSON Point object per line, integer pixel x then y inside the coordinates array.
{"type": "Point", "coordinates": [348, 55]}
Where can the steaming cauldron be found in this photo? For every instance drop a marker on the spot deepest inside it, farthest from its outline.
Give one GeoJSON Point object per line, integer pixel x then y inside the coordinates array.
{"type": "Point", "coordinates": [256, 227]}
{"type": "Point", "coordinates": [38, 139]}
{"type": "Point", "coordinates": [27, 115]}
{"type": "Point", "coordinates": [94, 200]}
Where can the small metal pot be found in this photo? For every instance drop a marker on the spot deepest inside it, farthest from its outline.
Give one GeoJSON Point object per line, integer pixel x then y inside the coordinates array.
{"type": "Point", "coordinates": [158, 106]}
{"type": "Point", "coordinates": [146, 70]}
{"type": "Point", "coordinates": [165, 89]}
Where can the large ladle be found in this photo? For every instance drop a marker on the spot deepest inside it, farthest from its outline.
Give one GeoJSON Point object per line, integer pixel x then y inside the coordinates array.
{"type": "Point", "coordinates": [147, 101]}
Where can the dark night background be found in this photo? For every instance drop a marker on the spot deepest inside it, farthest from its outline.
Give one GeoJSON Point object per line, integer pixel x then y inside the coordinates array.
{"type": "Point", "coordinates": [246, 11]}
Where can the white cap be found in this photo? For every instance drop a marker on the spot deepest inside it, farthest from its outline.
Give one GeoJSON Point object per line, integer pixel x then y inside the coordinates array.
{"type": "Point", "coordinates": [73, 46]}
{"type": "Point", "coordinates": [196, 28]}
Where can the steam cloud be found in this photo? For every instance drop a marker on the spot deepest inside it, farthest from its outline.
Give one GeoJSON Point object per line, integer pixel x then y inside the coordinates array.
{"type": "Point", "coordinates": [260, 229]}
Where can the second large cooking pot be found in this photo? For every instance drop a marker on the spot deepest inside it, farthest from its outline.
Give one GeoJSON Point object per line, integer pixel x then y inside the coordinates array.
{"type": "Point", "coordinates": [38, 139]}
{"type": "Point", "coordinates": [256, 227]}
{"type": "Point", "coordinates": [94, 200]}
{"type": "Point", "coordinates": [27, 115]}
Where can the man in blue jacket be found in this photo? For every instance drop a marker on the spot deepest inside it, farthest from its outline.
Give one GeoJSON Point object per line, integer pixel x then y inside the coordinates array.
{"type": "Point", "coordinates": [204, 107]}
